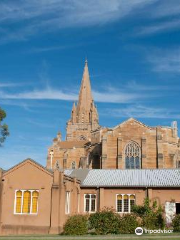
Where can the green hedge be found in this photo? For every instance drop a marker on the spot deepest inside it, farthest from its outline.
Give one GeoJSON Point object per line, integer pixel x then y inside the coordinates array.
{"type": "Point", "coordinates": [151, 214]}
{"type": "Point", "coordinates": [128, 223]}
{"type": "Point", "coordinates": [176, 223]}
{"type": "Point", "coordinates": [154, 221]}
{"type": "Point", "coordinates": [76, 225]}
{"type": "Point", "coordinates": [104, 222]}
{"type": "Point", "coordinates": [109, 222]}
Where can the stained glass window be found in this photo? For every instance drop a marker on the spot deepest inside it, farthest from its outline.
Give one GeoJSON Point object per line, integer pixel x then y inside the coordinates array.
{"type": "Point", "coordinates": [132, 156]}
{"type": "Point", "coordinates": [124, 203]}
{"type": "Point", "coordinates": [35, 195]}
{"type": "Point", "coordinates": [18, 201]}
{"type": "Point", "coordinates": [26, 202]}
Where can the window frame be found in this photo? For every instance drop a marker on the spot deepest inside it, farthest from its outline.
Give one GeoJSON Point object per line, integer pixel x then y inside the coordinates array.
{"type": "Point", "coordinates": [22, 200]}
{"type": "Point", "coordinates": [90, 203]}
{"type": "Point", "coordinates": [129, 202]}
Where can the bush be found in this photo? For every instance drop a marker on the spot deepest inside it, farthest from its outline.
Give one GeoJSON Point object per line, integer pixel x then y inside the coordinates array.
{"type": "Point", "coordinates": [128, 223]}
{"type": "Point", "coordinates": [144, 209]}
{"type": "Point", "coordinates": [152, 216]}
{"type": "Point", "coordinates": [104, 222]}
{"type": "Point", "coordinates": [154, 221]}
{"type": "Point", "coordinates": [76, 225]}
{"type": "Point", "coordinates": [176, 223]}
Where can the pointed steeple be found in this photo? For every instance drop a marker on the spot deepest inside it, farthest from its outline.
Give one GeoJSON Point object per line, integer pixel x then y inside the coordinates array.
{"type": "Point", "coordinates": [85, 95]}
{"type": "Point", "coordinates": [84, 115]}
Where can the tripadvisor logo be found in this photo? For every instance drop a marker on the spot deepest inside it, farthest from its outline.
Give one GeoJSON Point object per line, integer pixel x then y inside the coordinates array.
{"type": "Point", "coordinates": [139, 231]}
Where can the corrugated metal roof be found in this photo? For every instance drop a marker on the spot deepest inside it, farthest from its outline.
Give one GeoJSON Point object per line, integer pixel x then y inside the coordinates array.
{"type": "Point", "coordinates": [128, 177]}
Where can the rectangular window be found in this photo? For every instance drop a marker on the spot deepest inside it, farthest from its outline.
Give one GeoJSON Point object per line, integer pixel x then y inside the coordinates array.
{"type": "Point", "coordinates": [67, 204]}
{"type": "Point", "coordinates": [26, 202]}
{"type": "Point", "coordinates": [119, 203]}
{"type": "Point", "coordinates": [90, 202]}
{"type": "Point", "coordinates": [124, 203]}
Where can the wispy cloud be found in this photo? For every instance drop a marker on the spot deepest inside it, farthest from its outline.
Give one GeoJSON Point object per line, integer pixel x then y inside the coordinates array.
{"type": "Point", "coordinates": [141, 111]}
{"type": "Point", "coordinates": [110, 95]}
{"type": "Point", "coordinates": [133, 85]}
{"type": "Point", "coordinates": [159, 27]}
{"type": "Point", "coordinates": [50, 15]}
{"type": "Point", "coordinates": [53, 48]}
{"type": "Point", "coordinates": [117, 96]}
{"type": "Point", "coordinates": [7, 85]}
{"type": "Point", "coordinates": [166, 8]}
{"type": "Point", "coordinates": [165, 60]}
{"type": "Point", "coordinates": [53, 15]}
{"type": "Point", "coordinates": [47, 93]}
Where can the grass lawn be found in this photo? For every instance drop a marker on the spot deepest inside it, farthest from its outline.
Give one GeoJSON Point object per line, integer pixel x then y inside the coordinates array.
{"type": "Point", "coordinates": [173, 236]}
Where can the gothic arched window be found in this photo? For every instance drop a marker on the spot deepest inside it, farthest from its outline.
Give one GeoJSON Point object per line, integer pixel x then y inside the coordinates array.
{"type": "Point", "coordinates": [132, 155]}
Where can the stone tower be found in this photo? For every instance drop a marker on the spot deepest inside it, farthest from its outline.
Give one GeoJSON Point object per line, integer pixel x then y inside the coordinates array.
{"type": "Point", "coordinates": [84, 115]}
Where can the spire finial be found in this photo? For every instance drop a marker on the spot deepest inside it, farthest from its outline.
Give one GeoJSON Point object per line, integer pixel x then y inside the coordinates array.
{"type": "Point", "coordinates": [86, 61]}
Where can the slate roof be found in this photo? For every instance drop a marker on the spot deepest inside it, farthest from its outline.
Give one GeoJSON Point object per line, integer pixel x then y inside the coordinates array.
{"type": "Point", "coordinates": [127, 178]}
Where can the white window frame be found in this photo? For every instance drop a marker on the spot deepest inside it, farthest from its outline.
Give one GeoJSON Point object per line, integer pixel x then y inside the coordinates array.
{"type": "Point", "coordinates": [90, 199]}
{"type": "Point", "coordinates": [129, 205]}
{"type": "Point", "coordinates": [67, 202]}
{"type": "Point", "coordinates": [22, 200]}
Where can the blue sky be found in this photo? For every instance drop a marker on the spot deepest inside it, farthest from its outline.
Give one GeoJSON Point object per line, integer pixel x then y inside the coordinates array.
{"type": "Point", "coordinates": [133, 51]}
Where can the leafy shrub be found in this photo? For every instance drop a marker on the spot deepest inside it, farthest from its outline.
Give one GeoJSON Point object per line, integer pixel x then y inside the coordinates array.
{"type": "Point", "coordinates": [142, 210]}
{"type": "Point", "coordinates": [76, 225]}
{"type": "Point", "coordinates": [154, 221]}
{"type": "Point", "coordinates": [152, 216]}
{"type": "Point", "coordinates": [128, 223]}
{"type": "Point", "coordinates": [176, 223]}
{"type": "Point", "coordinates": [104, 222]}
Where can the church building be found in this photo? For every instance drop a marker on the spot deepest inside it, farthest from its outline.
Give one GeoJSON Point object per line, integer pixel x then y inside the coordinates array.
{"type": "Point", "coordinates": [129, 145]}
{"type": "Point", "coordinates": [95, 167]}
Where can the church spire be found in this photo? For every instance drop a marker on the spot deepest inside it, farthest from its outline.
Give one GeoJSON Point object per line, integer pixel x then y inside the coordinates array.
{"type": "Point", "coordinates": [85, 95]}
{"type": "Point", "coordinates": [84, 117]}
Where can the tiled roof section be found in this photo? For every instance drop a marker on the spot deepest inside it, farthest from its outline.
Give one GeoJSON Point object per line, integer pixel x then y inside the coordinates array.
{"type": "Point", "coordinates": [72, 144]}
{"type": "Point", "coordinates": [80, 174]}
{"type": "Point", "coordinates": [131, 178]}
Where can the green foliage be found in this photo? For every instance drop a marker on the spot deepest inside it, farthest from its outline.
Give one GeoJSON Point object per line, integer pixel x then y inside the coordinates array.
{"type": "Point", "coordinates": [128, 223]}
{"type": "Point", "coordinates": [176, 223]}
{"type": "Point", "coordinates": [76, 225]}
{"type": "Point", "coordinates": [154, 220]}
{"type": "Point", "coordinates": [104, 222]}
{"type": "Point", "coordinates": [3, 128]}
{"type": "Point", "coordinates": [151, 215]}
{"type": "Point", "coordinates": [142, 210]}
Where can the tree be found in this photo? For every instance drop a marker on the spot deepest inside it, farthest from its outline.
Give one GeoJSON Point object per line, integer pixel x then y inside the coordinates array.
{"type": "Point", "coordinates": [3, 127]}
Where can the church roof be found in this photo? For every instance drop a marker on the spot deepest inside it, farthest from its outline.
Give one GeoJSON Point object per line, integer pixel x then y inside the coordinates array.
{"type": "Point", "coordinates": [134, 120]}
{"type": "Point", "coordinates": [127, 177]}
{"type": "Point", "coordinates": [30, 161]}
